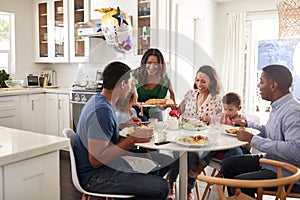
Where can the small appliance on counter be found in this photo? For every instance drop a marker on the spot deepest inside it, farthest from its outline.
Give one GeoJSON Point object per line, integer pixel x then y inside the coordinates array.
{"type": "Point", "coordinates": [32, 80]}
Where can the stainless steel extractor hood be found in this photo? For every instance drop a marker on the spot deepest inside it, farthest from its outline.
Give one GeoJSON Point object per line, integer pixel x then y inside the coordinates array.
{"type": "Point", "coordinates": [91, 29]}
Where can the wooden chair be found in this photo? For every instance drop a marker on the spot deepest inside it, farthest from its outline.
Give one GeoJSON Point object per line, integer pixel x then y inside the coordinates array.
{"type": "Point", "coordinates": [69, 133]}
{"type": "Point", "coordinates": [215, 164]}
{"type": "Point", "coordinates": [261, 185]}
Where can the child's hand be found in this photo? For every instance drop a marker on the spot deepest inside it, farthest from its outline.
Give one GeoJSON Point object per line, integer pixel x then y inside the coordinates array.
{"type": "Point", "coordinates": [239, 122]}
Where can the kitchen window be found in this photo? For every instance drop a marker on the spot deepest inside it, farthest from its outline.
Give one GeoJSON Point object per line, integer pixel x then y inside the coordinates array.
{"type": "Point", "coordinates": [7, 42]}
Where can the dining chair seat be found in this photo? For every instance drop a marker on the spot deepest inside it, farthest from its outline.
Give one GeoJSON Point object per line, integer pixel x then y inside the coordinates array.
{"type": "Point", "coordinates": [69, 133]}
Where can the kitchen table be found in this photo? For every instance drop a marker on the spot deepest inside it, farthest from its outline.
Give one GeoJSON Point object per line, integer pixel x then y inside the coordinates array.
{"type": "Point", "coordinates": [218, 140]}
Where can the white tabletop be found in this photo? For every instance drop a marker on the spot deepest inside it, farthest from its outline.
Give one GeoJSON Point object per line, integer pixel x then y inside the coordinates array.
{"type": "Point", "coordinates": [218, 140]}
{"type": "Point", "coordinates": [223, 142]}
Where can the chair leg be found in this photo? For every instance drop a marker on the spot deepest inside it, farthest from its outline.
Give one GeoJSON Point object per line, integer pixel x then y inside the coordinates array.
{"type": "Point", "coordinates": [207, 188]}
{"type": "Point", "coordinates": [197, 190]}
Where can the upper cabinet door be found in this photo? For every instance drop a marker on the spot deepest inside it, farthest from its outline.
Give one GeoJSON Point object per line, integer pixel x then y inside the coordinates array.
{"type": "Point", "coordinates": [144, 25]}
{"type": "Point", "coordinates": [51, 31]}
{"type": "Point", "coordinates": [79, 46]}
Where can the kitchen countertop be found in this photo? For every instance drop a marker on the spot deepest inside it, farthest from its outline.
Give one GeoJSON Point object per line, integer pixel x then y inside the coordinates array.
{"type": "Point", "coordinates": [17, 145]}
{"type": "Point", "coordinates": [24, 91]}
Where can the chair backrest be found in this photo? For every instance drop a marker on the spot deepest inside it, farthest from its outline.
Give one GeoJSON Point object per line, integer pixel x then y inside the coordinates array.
{"type": "Point", "coordinates": [69, 133]}
{"type": "Point", "coordinates": [279, 182]}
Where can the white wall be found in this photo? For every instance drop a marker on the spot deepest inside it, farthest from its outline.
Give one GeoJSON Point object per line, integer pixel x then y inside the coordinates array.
{"type": "Point", "coordinates": [235, 6]}
{"type": "Point", "coordinates": [23, 10]}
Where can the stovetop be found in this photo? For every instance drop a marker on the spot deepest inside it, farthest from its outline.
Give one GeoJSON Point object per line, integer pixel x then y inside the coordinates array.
{"type": "Point", "coordinates": [86, 90]}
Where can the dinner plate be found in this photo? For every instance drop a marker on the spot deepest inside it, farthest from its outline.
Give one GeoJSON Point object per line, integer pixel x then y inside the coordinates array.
{"type": "Point", "coordinates": [251, 130]}
{"type": "Point", "coordinates": [177, 141]}
{"type": "Point", "coordinates": [125, 131]}
{"type": "Point", "coordinates": [150, 106]}
{"type": "Point", "coordinates": [199, 126]}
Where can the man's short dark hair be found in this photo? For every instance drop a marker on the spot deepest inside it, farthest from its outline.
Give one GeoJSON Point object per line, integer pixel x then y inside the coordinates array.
{"type": "Point", "coordinates": [279, 74]}
{"type": "Point", "coordinates": [232, 98]}
{"type": "Point", "coordinates": [114, 73]}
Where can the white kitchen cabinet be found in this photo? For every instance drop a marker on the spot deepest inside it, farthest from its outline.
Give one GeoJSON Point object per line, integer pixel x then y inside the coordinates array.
{"type": "Point", "coordinates": [9, 112]}
{"type": "Point", "coordinates": [33, 115]}
{"type": "Point", "coordinates": [79, 46]}
{"type": "Point", "coordinates": [35, 178]}
{"type": "Point", "coordinates": [57, 113]}
{"type": "Point", "coordinates": [51, 31]}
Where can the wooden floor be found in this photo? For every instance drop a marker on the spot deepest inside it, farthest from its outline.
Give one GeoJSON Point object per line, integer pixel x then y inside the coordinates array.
{"type": "Point", "coordinates": [67, 190]}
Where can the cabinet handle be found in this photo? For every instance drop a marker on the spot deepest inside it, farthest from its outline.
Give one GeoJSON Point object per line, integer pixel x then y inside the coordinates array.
{"type": "Point", "coordinates": [32, 104]}
{"type": "Point", "coordinates": [59, 104]}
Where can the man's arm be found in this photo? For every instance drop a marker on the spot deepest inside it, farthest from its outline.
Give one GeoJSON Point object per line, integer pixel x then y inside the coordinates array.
{"type": "Point", "coordinates": [101, 152]}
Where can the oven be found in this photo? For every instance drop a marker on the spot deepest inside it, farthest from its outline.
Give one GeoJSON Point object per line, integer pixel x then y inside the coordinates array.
{"type": "Point", "coordinates": [78, 100]}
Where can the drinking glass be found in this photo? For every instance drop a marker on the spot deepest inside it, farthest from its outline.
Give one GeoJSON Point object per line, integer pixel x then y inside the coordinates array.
{"type": "Point", "coordinates": [215, 127]}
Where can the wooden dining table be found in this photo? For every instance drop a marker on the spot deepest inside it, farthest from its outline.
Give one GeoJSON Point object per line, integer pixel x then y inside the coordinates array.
{"type": "Point", "coordinates": [218, 139]}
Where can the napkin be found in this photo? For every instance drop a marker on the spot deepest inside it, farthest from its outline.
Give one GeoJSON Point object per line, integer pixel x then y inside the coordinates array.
{"type": "Point", "coordinates": [142, 165]}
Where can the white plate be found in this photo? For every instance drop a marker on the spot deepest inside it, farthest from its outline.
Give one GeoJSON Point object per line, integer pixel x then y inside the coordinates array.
{"type": "Point", "coordinates": [149, 106]}
{"type": "Point", "coordinates": [125, 131]}
{"type": "Point", "coordinates": [177, 140]}
{"type": "Point", "coordinates": [251, 130]}
{"type": "Point", "coordinates": [199, 126]}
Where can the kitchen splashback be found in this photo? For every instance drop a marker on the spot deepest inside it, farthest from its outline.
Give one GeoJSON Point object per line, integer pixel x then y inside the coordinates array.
{"type": "Point", "coordinates": [87, 73]}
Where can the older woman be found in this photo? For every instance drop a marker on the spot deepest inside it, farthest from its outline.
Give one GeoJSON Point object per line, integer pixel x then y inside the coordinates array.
{"type": "Point", "coordinates": [153, 81]}
{"type": "Point", "coordinates": [203, 102]}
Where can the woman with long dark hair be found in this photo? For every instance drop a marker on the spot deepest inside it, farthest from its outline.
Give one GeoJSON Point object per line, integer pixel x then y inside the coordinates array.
{"type": "Point", "coordinates": [153, 81]}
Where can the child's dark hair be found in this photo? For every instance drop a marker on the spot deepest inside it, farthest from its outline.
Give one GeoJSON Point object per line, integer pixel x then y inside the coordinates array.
{"type": "Point", "coordinates": [232, 98]}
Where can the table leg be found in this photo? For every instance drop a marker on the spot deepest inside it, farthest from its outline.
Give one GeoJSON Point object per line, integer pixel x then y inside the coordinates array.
{"type": "Point", "coordinates": [183, 176]}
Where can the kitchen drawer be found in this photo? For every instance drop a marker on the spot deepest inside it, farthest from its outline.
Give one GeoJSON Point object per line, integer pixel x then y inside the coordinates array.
{"type": "Point", "coordinates": [9, 103]}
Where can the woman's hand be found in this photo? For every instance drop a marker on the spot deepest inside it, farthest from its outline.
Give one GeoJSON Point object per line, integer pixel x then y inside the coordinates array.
{"type": "Point", "coordinates": [205, 120]}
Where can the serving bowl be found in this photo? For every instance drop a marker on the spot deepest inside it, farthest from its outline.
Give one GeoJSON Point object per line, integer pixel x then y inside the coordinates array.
{"type": "Point", "coordinates": [14, 83]}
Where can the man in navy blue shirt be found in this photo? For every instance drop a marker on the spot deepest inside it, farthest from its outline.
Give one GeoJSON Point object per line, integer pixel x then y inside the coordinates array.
{"type": "Point", "coordinates": [97, 147]}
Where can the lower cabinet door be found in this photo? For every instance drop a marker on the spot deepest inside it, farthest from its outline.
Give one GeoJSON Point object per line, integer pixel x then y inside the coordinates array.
{"type": "Point", "coordinates": [35, 178]}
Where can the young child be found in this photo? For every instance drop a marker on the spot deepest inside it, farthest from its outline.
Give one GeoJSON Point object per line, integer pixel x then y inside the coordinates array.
{"type": "Point", "coordinates": [232, 105]}
{"type": "Point", "coordinates": [125, 111]}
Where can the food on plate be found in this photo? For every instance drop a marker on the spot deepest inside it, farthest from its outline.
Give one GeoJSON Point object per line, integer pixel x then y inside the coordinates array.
{"type": "Point", "coordinates": [234, 130]}
{"type": "Point", "coordinates": [194, 126]}
{"type": "Point", "coordinates": [197, 139]}
{"type": "Point", "coordinates": [132, 129]}
{"type": "Point", "coordinates": [159, 101]}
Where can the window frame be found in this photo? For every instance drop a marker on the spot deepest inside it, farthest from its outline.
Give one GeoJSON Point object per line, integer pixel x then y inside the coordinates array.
{"type": "Point", "coordinates": [11, 68]}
